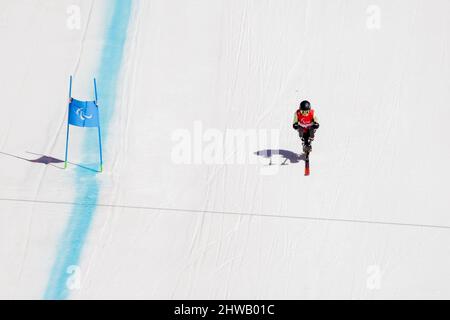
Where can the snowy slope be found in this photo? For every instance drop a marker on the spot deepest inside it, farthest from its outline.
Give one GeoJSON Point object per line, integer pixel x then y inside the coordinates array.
{"type": "Point", "coordinates": [219, 222]}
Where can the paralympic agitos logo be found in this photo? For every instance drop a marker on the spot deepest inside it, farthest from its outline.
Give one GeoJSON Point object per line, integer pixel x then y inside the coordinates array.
{"type": "Point", "coordinates": [82, 115]}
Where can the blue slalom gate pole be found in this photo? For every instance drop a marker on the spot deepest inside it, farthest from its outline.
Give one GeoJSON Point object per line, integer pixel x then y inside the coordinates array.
{"type": "Point", "coordinates": [99, 131]}
{"type": "Point", "coordinates": [67, 136]}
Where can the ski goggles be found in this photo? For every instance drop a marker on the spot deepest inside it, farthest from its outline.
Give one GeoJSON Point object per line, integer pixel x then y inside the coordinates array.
{"type": "Point", "coordinates": [304, 112]}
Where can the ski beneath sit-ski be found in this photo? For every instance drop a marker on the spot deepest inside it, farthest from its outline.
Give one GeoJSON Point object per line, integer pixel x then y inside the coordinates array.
{"type": "Point", "coordinates": [307, 151]}
{"type": "Point", "coordinates": [307, 172]}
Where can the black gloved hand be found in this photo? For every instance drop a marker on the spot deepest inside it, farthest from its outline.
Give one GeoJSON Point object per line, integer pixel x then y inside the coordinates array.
{"type": "Point", "coordinates": [315, 125]}
{"type": "Point", "coordinates": [296, 126]}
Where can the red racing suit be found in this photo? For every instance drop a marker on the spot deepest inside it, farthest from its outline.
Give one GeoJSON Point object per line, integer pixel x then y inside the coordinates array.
{"type": "Point", "coordinates": [305, 121]}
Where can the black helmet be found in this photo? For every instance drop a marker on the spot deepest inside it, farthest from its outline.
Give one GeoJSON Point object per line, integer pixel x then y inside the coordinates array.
{"type": "Point", "coordinates": [305, 106]}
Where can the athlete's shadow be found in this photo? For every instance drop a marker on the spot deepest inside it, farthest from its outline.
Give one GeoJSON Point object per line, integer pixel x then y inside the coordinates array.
{"type": "Point", "coordinates": [285, 155]}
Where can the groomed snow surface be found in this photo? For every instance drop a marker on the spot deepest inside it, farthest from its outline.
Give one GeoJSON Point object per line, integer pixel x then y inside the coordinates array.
{"type": "Point", "coordinates": [190, 93]}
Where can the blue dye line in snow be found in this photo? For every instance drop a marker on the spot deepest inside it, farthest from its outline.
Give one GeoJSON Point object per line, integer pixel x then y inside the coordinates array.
{"type": "Point", "coordinates": [87, 185]}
